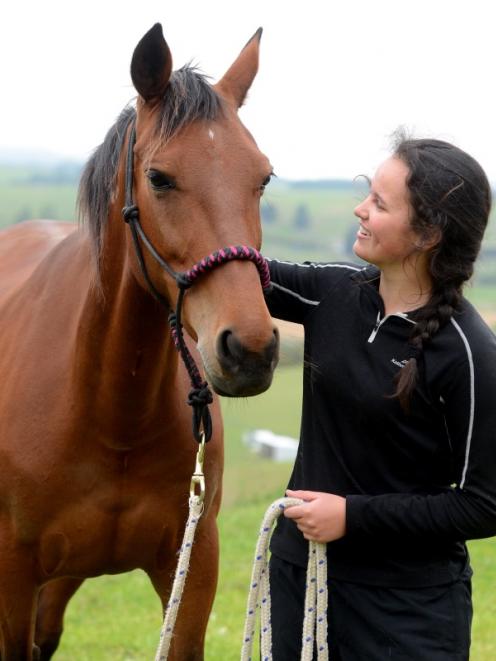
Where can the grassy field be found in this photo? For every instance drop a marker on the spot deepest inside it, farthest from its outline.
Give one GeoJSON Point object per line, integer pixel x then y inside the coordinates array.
{"type": "Point", "coordinates": [118, 617]}
{"type": "Point", "coordinates": [23, 201]}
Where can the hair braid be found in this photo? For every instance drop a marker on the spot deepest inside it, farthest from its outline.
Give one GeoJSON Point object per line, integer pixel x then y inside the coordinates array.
{"type": "Point", "coordinates": [451, 199]}
{"type": "Point", "coordinates": [430, 319]}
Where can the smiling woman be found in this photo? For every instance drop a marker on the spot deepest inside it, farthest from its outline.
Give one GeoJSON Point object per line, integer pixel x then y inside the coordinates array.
{"type": "Point", "coordinates": [386, 237]}
{"type": "Point", "coordinates": [397, 454]}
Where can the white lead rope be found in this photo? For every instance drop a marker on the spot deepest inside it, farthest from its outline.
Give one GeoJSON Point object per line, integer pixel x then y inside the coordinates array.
{"type": "Point", "coordinates": [196, 498]}
{"type": "Point", "coordinates": [315, 618]}
{"type": "Point", "coordinates": [195, 512]}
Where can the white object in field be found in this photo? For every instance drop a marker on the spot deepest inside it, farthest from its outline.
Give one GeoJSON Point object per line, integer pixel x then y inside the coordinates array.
{"type": "Point", "coordinates": [272, 446]}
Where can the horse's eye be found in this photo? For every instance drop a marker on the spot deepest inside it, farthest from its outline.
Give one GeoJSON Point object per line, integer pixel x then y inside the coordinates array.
{"type": "Point", "coordinates": [160, 181]}
{"type": "Point", "coordinates": [266, 182]}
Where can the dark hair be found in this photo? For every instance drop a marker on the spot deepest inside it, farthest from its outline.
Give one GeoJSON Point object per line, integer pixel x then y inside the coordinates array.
{"type": "Point", "coordinates": [451, 199]}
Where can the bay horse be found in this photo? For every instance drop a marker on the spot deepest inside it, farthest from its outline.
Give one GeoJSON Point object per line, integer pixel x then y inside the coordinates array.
{"type": "Point", "coordinates": [96, 448]}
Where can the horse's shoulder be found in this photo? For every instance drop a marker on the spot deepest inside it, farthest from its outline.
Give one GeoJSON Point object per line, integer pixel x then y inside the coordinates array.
{"type": "Point", "coordinates": [24, 245]}
{"type": "Point", "coordinates": [31, 233]}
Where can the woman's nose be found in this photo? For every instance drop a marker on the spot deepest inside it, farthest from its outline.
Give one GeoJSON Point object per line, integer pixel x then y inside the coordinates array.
{"type": "Point", "coordinates": [361, 209]}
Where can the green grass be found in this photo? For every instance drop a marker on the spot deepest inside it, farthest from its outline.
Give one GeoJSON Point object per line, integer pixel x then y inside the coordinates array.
{"type": "Point", "coordinates": [118, 617]}
{"type": "Point", "coordinates": [483, 553]}
{"type": "Point", "coordinates": [25, 201]}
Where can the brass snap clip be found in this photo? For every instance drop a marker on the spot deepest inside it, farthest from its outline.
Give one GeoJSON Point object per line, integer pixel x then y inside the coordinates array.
{"type": "Point", "coordinates": [197, 486]}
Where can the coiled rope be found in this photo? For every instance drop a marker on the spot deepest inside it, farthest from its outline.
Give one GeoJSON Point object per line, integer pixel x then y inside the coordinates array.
{"type": "Point", "coordinates": [315, 618]}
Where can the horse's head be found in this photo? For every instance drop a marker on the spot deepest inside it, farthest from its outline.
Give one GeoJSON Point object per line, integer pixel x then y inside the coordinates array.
{"type": "Point", "coordinates": [198, 179]}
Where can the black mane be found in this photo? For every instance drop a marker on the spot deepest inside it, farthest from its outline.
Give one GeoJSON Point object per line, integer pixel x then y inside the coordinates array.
{"type": "Point", "coordinates": [188, 97]}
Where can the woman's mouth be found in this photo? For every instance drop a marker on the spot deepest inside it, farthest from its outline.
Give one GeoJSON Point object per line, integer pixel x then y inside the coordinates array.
{"type": "Point", "coordinates": [362, 232]}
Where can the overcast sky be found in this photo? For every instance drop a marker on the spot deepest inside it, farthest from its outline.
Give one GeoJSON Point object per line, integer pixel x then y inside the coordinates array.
{"type": "Point", "coordinates": [335, 79]}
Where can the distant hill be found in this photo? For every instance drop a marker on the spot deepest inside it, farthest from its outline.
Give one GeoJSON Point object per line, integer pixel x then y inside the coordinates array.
{"type": "Point", "coordinates": [39, 172]}
{"type": "Point", "coordinates": [322, 184]}
{"type": "Point", "coordinates": [32, 157]}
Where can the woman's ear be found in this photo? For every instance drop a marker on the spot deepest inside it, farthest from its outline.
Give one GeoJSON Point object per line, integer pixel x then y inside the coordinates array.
{"type": "Point", "coordinates": [429, 239]}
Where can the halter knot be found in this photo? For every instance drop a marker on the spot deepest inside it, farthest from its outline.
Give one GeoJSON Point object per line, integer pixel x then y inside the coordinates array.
{"type": "Point", "coordinates": [201, 396]}
{"type": "Point", "coordinates": [183, 281]}
{"type": "Point", "coordinates": [130, 212]}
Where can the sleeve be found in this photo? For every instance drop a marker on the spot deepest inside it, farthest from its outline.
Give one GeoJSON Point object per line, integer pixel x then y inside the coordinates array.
{"type": "Point", "coordinates": [468, 509]}
{"type": "Point", "coordinates": [297, 289]}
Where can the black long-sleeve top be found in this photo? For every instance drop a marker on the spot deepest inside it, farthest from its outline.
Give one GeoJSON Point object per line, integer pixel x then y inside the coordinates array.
{"type": "Point", "coordinates": [417, 484]}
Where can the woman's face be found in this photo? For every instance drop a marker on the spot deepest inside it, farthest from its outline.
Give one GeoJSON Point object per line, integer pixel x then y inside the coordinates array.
{"type": "Point", "coordinates": [385, 237]}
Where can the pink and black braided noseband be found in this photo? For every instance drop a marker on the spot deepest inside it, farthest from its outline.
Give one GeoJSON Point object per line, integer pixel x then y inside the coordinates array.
{"type": "Point", "coordinates": [229, 254]}
{"type": "Point", "coordinates": [200, 395]}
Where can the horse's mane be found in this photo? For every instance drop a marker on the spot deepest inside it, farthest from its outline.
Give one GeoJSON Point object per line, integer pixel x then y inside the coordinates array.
{"type": "Point", "coordinates": [188, 97]}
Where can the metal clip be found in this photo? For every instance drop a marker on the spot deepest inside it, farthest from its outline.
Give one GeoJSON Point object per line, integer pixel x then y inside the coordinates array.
{"type": "Point", "coordinates": [198, 478]}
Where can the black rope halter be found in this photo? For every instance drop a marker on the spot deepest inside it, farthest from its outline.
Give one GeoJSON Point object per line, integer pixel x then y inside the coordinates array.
{"type": "Point", "coordinates": [200, 395]}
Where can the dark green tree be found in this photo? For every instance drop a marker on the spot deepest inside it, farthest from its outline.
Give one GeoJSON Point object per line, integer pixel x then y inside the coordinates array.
{"type": "Point", "coordinates": [24, 213]}
{"type": "Point", "coordinates": [268, 213]}
{"type": "Point", "coordinates": [301, 218]}
{"type": "Point", "coordinates": [49, 212]}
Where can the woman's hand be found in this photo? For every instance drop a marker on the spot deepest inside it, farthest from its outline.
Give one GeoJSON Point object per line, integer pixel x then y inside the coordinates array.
{"type": "Point", "coordinates": [321, 518]}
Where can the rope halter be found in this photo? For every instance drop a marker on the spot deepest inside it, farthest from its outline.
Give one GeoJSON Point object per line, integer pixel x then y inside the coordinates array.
{"type": "Point", "coordinates": [200, 395]}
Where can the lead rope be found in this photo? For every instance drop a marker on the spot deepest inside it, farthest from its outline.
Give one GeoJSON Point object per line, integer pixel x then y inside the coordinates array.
{"type": "Point", "coordinates": [195, 512]}
{"type": "Point", "coordinates": [315, 617]}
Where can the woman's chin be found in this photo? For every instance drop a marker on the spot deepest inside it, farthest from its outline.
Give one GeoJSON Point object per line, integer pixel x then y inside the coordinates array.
{"type": "Point", "coordinates": [359, 250]}
{"type": "Point", "coordinates": [362, 253]}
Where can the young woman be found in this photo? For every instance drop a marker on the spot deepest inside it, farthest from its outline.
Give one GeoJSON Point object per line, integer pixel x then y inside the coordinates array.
{"type": "Point", "coordinates": [397, 456]}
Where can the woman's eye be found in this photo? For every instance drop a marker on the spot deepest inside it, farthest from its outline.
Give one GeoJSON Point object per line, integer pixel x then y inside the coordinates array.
{"type": "Point", "coordinates": [159, 180]}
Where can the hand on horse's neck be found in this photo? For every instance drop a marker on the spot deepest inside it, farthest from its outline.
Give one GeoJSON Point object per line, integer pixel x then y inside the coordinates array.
{"type": "Point", "coordinates": [403, 291]}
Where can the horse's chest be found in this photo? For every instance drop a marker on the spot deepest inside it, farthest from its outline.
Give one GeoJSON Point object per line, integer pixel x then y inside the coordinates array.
{"type": "Point", "coordinates": [114, 533]}
{"type": "Point", "coordinates": [105, 514]}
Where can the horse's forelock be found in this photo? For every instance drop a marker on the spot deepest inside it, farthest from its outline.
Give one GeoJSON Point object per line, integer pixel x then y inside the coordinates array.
{"type": "Point", "coordinates": [188, 97]}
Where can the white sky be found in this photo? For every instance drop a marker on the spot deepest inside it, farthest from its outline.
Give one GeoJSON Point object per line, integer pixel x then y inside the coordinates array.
{"type": "Point", "coordinates": [335, 79]}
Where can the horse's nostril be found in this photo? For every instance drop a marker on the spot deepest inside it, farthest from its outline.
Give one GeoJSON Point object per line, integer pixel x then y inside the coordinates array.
{"type": "Point", "coordinates": [234, 355]}
{"type": "Point", "coordinates": [231, 351]}
{"type": "Point", "coordinates": [223, 343]}
{"type": "Point", "coordinates": [274, 345]}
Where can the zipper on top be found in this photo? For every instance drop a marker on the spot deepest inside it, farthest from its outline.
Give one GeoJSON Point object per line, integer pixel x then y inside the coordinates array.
{"type": "Point", "coordinates": [379, 322]}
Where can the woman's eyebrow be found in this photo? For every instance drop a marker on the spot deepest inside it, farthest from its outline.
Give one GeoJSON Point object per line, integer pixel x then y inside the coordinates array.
{"type": "Point", "coordinates": [377, 195]}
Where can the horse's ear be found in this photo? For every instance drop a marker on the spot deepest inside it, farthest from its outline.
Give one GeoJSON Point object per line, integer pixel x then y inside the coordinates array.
{"type": "Point", "coordinates": [151, 65]}
{"type": "Point", "coordinates": [238, 78]}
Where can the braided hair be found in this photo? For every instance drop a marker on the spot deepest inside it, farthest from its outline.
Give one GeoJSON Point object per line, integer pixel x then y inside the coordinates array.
{"type": "Point", "coordinates": [451, 200]}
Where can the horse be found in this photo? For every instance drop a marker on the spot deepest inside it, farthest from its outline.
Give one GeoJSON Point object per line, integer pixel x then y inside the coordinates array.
{"type": "Point", "coordinates": [96, 444]}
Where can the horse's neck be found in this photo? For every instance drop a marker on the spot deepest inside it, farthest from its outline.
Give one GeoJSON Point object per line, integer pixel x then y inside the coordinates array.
{"type": "Point", "coordinates": [126, 361]}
